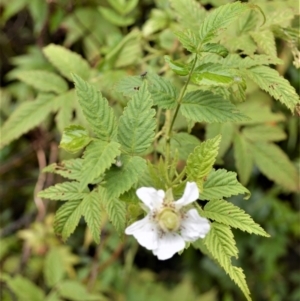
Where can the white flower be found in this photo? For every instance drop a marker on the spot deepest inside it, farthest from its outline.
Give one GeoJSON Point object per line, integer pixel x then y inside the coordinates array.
{"type": "Point", "coordinates": [168, 225]}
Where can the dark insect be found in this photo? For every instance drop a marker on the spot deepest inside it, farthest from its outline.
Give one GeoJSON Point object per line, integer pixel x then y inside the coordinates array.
{"type": "Point", "coordinates": [136, 88]}
{"type": "Point", "coordinates": [143, 75]}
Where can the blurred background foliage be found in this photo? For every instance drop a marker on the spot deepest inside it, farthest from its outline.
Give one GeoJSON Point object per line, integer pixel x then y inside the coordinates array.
{"type": "Point", "coordinates": [121, 38]}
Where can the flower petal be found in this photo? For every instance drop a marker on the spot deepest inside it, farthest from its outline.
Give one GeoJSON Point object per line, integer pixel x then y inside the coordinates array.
{"type": "Point", "coordinates": [145, 232]}
{"type": "Point", "coordinates": [193, 226]}
{"type": "Point", "coordinates": [151, 197]}
{"type": "Point", "coordinates": [191, 194]}
{"type": "Point", "coordinates": [168, 245]}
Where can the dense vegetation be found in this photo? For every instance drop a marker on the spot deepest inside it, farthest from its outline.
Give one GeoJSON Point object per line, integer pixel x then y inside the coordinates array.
{"type": "Point", "coordinates": [101, 97]}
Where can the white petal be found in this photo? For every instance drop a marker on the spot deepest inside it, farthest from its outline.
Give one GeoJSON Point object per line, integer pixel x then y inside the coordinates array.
{"type": "Point", "coordinates": [151, 197]}
{"type": "Point", "coordinates": [145, 231]}
{"type": "Point", "coordinates": [193, 226]}
{"type": "Point", "coordinates": [191, 194]}
{"type": "Point", "coordinates": [168, 245]}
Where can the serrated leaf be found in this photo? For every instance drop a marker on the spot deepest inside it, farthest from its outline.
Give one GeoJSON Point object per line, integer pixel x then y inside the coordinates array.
{"type": "Point", "coordinates": [25, 290]}
{"type": "Point", "coordinates": [222, 184]}
{"type": "Point", "coordinates": [44, 81]}
{"type": "Point", "coordinates": [270, 81]}
{"type": "Point", "coordinates": [213, 74]}
{"type": "Point", "coordinates": [183, 142]}
{"type": "Point", "coordinates": [98, 157]}
{"type": "Point", "coordinates": [91, 210]}
{"type": "Point", "coordinates": [264, 133]}
{"type": "Point", "coordinates": [215, 48]}
{"type": "Point", "coordinates": [219, 19]}
{"type": "Point", "coordinates": [163, 93]}
{"type": "Point", "coordinates": [96, 110]}
{"type": "Point", "coordinates": [129, 85]}
{"type": "Point", "coordinates": [120, 179]}
{"type": "Point", "coordinates": [265, 40]}
{"type": "Point", "coordinates": [67, 62]}
{"type": "Point", "coordinates": [54, 270]}
{"type": "Point", "coordinates": [243, 158]}
{"type": "Point", "coordinates": [70, 169]}
{"type": "Point", "coordinates": [221, 245]}
{"type": "Point", "coordinates": [233, 216]}
{"type": "Point", "coordinates": [275, 164]}
{"type": "Point", "coordinates": [191, 15]}
{"type": "Point", "coordinates": [27, 116]}
{"type": "Point", "coordinates": [115, 18]}
{"type": "Point", "coordinates": [201, 161]}
{"type": "Point", "coordinates": [179, 68]}
{"type": "Point", "coordinates": [67, 218]}
{"type": "Point", "coordinates": [205, 106]}
{"type": "Point", "coordinates": [74, 138]}
{"type": "Point", "coordinates": [116, 211]}
{"type": "Point", "coordinates": [63, 192]}
{"type": "Point", "coordinates": [189, 40]}
{"type": "Point", "coordinates": [137, 124]}
{"type": "Point", "coordinates": [226, 130]}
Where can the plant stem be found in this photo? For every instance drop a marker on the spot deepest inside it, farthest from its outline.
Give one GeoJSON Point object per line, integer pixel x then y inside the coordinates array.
{"type": "Point", "coordinates": [179, 100]}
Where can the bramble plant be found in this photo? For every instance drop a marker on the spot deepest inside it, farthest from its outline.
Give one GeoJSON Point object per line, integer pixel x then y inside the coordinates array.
{"type": "Point", "coordinates": [138, 144]}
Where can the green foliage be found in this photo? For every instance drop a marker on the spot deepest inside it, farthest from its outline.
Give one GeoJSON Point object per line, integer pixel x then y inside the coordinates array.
{"type": "Point", "coordinates": [270, 81]}
{"type": "Point", "coordinates": [67, 62]}
{"type": "Point", "coordinates": [27, 116]}
{"type": "Point", "coordinates": [96, 110]}
{"type": "Point", "coordinates": [202, 106]}
{"type": "Point", "coordinates": [43, 81]}
{"type": "Point", "coordinates": [221, 183]}
{"type": "Point", "coordinates": [137, 124]}
{"type": "Point", "coordinates": [230, 215]}
{"type": "Point", "coordinates": [201, 161]}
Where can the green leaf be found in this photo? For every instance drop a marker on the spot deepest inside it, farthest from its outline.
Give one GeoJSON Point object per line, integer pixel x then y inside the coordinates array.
{"type": "Point", "coordinates": [221, 245]}
{"type": "Point", "coordinates": [75, 291]}
{"type": "Point", "coordinates": [177, 67]}
{"type": "Point", "coordinates": [183, 142]}
{"type": "Point", "coordinates": [67, 218]}
{"type": "Point", "coordinates": [25, 117]}
{"type": "Point", "coordinates": [54, 270]}
{"type": "Point", "coordinates": [115, 18]}
{"type": "Point", "coordinates": [270, 81]}
{"type": "Point", "coordinates": [137, 124]}
{"type": "Point", "coordinates": [129, 85]}
{"type": "Point", "coordinates": [191, 15]}
{"type": "Point", "coordinates": [201, 161]}
{"type": "Point", "coordinates": [226, 130]}
{"type": "Point", "coordinates": [214, 74]}
{"type": "Point", "coordinates": [116, 211]}
{"type": "Point", "coordinates": [25, 290]}
{"type": "Point", "coordinates": [231, 215]}
{"type": "Point", "coordinates": [215, 48]}
{"type": "Point", "coordinates": [264, 132]}
{"type": "Point", "coordinates": [91, 210]}
{"type": "Point", "coordinates": [96, 110]}
{"type": "Point", "coordinates": [120, 179]}
{"type": "Point", "coordinates": [63, 192]}
{"type": "Point", "coordinates": [70, 169]}
{"type": "Point", "coordinates": [74, 138]}
{"type": "Point", "coordinates": [163, 93]}
{"type": "Point", "coordinates": [265, 40]}
{"type": "Point", "coordinates": [189, 40]}
{"type": "Point", "coordinates": [43, 80]}
{"type": "Point", "coordinates": [98, 157]}
{"type": "Point", "coordinates": [243, 158]}
{"type": "Point", "coordinates": [275, 164]}
{"type": "Point", "coordinates": [67, 62]}
{"type": "Point", "coordinates": [123, 7]}
{"type": "Point", "coordinates": [219, 19]}
{"type": "Point", "coordinates": [221, 183]}
{"type": "Point", "coordinates": [158, 20]}
{"type": "Point", "coordinates": [205, 106]}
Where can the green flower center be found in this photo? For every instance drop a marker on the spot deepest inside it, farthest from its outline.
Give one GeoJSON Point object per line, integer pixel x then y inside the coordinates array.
{"type": "Point", "coordinates": [168, 220]}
